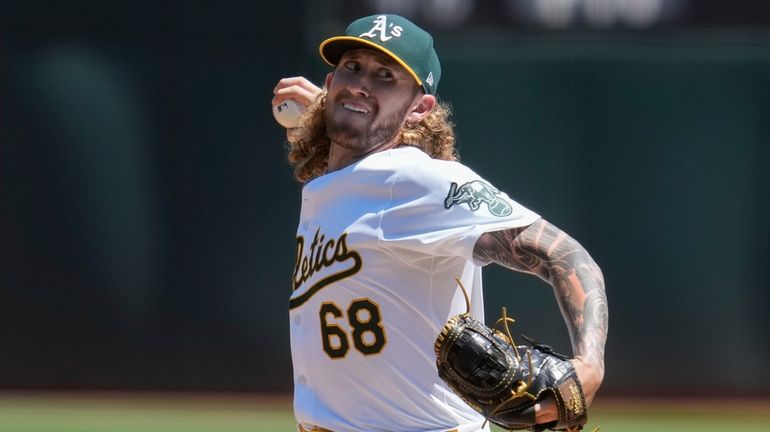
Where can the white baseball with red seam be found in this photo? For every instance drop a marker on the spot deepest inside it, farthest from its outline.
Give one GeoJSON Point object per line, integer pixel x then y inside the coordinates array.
{"type": "Point", "coordinates": [287, 113]}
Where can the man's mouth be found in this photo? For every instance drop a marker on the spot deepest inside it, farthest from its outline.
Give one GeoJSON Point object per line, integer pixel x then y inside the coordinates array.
{"type": "Point", "coordinates": [355, 108]}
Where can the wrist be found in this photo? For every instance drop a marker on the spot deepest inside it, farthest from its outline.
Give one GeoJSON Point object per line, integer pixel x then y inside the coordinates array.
{"type": "Point", "coordinates": [590, 375]}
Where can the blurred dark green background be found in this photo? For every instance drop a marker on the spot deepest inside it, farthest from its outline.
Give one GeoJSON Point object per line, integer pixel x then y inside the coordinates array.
{"type": "Point", "coordinates": [147, 214]}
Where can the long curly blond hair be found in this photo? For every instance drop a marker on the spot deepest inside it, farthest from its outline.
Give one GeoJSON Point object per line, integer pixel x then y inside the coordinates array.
{"type": "Point", "coordinates": [309, 144]}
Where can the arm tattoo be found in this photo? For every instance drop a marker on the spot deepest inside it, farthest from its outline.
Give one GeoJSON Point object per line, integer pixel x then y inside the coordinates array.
{"type": "Point", "coordinates": [549, 253]}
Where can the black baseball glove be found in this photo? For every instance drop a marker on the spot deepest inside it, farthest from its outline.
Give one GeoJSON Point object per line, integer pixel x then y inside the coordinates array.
{"type": "Point", "coordinates": [503, 381]}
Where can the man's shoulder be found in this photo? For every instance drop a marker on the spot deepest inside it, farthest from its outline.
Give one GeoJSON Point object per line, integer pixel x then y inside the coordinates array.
{"type": "Point", "coordinates": [414, 160]}
{"type": "Point", "coordinates": [413, 172]}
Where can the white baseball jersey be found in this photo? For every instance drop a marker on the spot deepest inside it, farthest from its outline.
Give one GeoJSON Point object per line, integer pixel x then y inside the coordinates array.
{"type": "Point", "coordinates": [379, 245]}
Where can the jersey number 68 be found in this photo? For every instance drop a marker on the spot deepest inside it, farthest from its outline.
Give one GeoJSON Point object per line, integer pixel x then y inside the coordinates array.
{"type": "Point", "coordinates": [365, 321]}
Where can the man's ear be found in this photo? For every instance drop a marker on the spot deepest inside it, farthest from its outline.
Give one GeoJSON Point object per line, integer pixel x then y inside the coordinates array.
{"type": "Point", "coordinates": [328, 80]}
{"type": "Point", "coordinates": [421, 108]}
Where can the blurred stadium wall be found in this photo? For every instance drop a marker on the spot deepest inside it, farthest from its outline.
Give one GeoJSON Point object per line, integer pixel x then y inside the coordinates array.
{"type": "Point", "coordinates": [147, 214]}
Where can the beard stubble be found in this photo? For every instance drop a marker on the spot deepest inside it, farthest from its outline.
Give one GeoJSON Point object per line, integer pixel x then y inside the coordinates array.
{"type": "Point", "coordinates": [355, 139]}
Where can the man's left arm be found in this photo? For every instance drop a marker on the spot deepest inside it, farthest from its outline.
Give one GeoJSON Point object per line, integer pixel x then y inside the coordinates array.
{"type": "Point", "coordinates": [549, 253]}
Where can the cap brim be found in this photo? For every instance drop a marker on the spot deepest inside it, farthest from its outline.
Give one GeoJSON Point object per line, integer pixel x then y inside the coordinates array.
{"type": "Point", "coordinates": [333, 48]}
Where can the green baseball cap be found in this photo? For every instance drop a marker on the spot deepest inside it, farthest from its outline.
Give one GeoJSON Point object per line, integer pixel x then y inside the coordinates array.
{"type": "Point", "coordinates": [397, 37]}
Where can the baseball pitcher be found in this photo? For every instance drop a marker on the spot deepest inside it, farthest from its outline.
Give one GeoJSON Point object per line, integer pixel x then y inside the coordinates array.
{"type": "Point", "coordinates": [386, 310]}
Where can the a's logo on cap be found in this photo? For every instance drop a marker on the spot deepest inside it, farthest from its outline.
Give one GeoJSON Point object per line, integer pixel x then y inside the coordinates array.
{"type": "Point", "coordinates": [381, 26]}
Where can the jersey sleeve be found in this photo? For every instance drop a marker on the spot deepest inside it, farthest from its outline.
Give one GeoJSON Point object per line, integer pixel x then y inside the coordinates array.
{"type": "Point", "coordinates": [441, 208]}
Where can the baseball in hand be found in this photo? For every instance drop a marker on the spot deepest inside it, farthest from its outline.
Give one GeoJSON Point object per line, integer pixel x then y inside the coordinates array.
{"type": "Point", "coordinates": [287, 113]}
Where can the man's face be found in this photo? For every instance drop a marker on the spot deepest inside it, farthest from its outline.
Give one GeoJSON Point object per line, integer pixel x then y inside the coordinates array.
{"type": "Point", "coordinates": [368, 99]}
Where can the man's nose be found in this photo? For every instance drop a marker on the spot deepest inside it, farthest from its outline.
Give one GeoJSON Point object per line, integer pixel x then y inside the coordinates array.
{"type": "Point", "coordinates": [360, 85]}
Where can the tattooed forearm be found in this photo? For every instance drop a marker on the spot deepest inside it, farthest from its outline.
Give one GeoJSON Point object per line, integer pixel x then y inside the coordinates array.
{"type": "Point", "coordinates": [546, 251]}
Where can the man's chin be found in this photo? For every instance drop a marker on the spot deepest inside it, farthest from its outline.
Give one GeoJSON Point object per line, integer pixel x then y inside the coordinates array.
{"type": "Point", "coordinates": [345, 134]}
{"type": "Point", "coordinates": [347, 141]}
{"type": "Point", "coordinates": [353, 136]}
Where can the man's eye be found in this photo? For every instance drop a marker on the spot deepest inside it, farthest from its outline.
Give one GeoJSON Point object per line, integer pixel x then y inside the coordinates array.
{"type": "Point", "coordinates": [352, 66]}
{"type": "Point", "coordinates": [384, 73]}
